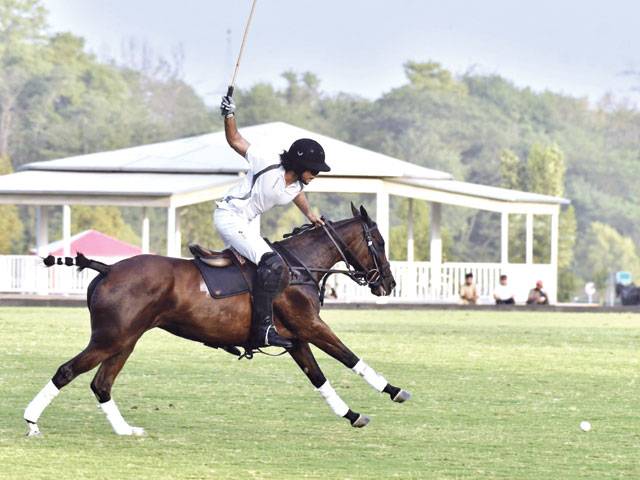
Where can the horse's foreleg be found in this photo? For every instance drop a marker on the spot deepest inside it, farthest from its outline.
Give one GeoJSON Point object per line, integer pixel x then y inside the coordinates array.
{"type": "Point", "coordinates": [327, 341]}
{"type": "Point", "coordinates": [83, 362]}
{"type": "Point", "coordinates": [101, 386]}
{"type": "Point", "coordinates": [303, 356]}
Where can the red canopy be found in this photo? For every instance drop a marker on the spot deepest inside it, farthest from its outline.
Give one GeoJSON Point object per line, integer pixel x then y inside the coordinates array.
{"type": "Point", "coordinates": [94, 243]}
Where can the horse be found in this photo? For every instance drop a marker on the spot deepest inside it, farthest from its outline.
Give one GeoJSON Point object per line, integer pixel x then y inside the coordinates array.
{"type": "Point", "coordinates": [137, 294]}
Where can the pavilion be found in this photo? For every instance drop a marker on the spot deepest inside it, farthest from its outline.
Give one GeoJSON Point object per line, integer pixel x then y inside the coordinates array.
{"type": "Point", "coordinates": [197, 169]}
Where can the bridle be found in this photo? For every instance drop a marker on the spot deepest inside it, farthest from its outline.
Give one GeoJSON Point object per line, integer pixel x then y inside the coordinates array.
{"type": "Point", "coordinates": [371, 277]}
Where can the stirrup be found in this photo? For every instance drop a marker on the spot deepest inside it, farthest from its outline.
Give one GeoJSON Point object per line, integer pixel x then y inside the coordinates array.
{"type": "Point", "coordinates": [276, 340]}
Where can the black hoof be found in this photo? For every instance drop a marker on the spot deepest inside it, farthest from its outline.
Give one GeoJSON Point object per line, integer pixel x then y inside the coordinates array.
{"type": "Point", "coordinates": [401, 397]}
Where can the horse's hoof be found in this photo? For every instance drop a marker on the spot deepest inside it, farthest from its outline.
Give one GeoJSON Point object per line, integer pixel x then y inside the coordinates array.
{"type": "Point", "coordinates": [361, 421]}
{"type": "Point", "coordinates": [34, 431]}
{"type": "Point", "coordinates": [138, 432]}
{"type": "Point", "coordinates": [402, 396]}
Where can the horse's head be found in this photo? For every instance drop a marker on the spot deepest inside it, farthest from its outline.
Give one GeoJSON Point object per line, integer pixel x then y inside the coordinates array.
{"type": "Point", "coordinates": [369, 252]}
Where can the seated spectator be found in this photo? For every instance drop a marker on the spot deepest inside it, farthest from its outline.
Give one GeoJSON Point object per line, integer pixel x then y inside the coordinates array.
{"type": "Point", "coordinates": [503, 294]}
{"type": "Point", "coordinates": [537, 296]}
{"type": "Point", "coordinates": [468, 292]}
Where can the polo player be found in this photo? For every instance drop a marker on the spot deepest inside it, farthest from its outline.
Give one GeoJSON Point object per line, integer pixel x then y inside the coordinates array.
{"type": "Point", "coordinates": [274, 178]}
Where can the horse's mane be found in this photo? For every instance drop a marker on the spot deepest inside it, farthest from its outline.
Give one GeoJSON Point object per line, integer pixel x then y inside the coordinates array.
{"type": "Point", "coordinates": [308, 228]}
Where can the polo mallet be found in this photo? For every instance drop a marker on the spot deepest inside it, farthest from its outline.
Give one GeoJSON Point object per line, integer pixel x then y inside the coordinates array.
{"type": "Point", "coordinates": [244, 41]}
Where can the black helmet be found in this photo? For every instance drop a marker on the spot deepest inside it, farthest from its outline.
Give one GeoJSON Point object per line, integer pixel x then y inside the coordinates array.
{"type": "Point", "coordinates": [306, 154]}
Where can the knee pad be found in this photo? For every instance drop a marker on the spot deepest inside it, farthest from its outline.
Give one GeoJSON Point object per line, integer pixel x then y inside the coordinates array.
{"type": "Point", "coordinates": [272, 273]}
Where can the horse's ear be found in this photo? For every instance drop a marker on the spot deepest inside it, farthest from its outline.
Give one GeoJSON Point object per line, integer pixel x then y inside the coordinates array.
{"type": "Point", "coordinates": [354, 210]}
{"type": "Point", "coordinates": [364, 213]}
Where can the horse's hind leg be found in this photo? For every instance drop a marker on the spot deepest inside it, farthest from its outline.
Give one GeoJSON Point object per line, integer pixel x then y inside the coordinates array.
{"type": "Point", "coordinates": [83, 362]}
{"type": "Point", "coordinates": [327, 341]}
{"type": "Point", "coordinates": [303, 356]}
{"type": "Point", "coordinates": [101, 386]}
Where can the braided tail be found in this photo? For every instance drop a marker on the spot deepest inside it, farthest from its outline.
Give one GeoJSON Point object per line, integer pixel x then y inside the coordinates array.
{"type": "Point", "coordinates": [80, 261]}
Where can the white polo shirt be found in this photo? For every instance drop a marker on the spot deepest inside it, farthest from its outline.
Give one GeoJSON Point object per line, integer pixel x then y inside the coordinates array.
{"type": "Point", "coordinates": [503, 292]}
{"type": "Point", "coordinates": [250, 199]}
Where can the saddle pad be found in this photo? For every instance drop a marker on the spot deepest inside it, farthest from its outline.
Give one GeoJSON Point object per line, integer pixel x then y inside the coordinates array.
{"type": "Point", "coordinates": [226, 281]}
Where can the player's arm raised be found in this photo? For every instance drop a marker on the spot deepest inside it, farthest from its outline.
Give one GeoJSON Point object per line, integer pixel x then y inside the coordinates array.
{"type": "Point", "coordinates": [234, 139]}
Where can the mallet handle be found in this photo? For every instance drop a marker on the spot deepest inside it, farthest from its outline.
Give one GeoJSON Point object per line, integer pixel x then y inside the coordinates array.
{"type": "Point", "coordinates": [244, 41]}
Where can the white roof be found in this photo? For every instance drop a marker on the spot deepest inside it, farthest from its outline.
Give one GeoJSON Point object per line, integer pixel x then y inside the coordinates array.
{"type": "Point", "coordinates": [201, 168]}
{"type": "Point", "coordinates": [210, 153]}
{"type": "Point", "coordinates": [35, 182]}
{"type": "Point", "coordinates": [483, 191]}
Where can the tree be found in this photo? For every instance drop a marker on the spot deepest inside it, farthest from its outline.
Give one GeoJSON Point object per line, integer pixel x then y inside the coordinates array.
{"type": "Point", "coordinates": [22, 24]}
{"type": "Point", "coordinates": [196, 226]}
{"type": "Point", "coordinates": [607, 252]}
{"type": "Point", "coordinates": [11, 228]}
{"type": "Point", "coordinates": [511, 170]}
{"type": "Point", "coordinates": [546, 169]}
{"type": "Point", "coordinates": [107, 220]}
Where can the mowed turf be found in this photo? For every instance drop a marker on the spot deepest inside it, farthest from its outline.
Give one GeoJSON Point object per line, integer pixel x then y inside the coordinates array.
{"type": "Point", "coordinates": [495, 395]}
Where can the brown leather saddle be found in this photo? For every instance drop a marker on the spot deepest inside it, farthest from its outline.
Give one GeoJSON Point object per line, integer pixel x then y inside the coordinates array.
{"type": "Point", "coordinates": [225, 273]}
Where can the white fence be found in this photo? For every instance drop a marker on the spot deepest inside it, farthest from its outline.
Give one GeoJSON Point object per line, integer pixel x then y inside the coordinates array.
{"type": "Point", "coordinates": [420, 282]}
{"type": "Point", "coordinates": [27, 274]}
{"type": "Point", "coordinates": [416, 281]}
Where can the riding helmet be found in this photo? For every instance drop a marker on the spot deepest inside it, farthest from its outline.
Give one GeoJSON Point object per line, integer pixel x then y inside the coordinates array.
{"type": "Point", "coordinates": [306, 154]}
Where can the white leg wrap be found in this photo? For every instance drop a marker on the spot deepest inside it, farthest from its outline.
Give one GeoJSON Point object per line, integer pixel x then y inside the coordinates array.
{"type": "Point", "coordinates": [374, 379]}
{"type": "Point", "coordinates": [40, 402]}
{"type": "Point", "coordinates": [331, 397]}
{"type": "Point", "coordinates": [118, 423]}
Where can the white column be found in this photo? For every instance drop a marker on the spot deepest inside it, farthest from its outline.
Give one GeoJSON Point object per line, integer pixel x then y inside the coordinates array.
{"type": "Point", "coordinates": [42, 230]}
{"type": "Point", "coordinates": [178, 237]}
{"type": "Point", "coordinates": [504, 238]}
{"type": "Point", "coordinates": [66, 275]}
{"type": "Point", "coordinates": [42, 240]}
{"type": "Point", "coordinates": [66, 230]}
{"type": "Point", "coordinates": [410, 247]}
{"type": "Point", "coordinates": [171, 231]}
{"type": "Point", "coordinates": [555, 229]}
{"type": "Point", "coordinates": [145, 230]}
{"type": "Point", "coordinates": [529, 240]}
{"type": "Point", "coordinates": [435, 249]}
{"type": "Point", "coordinates": [382, 216]}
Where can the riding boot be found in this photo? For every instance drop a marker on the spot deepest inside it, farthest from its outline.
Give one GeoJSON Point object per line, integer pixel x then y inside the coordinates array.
{"type": "Point", "coordinates": [272, 277]}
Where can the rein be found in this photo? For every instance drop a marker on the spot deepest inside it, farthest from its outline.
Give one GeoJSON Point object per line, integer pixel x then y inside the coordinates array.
{"type": "Point", "coordinates": [355, 270]}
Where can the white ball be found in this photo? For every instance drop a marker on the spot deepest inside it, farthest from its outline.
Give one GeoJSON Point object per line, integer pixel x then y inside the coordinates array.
{"type": "Point", "coordinates": [585, 426]}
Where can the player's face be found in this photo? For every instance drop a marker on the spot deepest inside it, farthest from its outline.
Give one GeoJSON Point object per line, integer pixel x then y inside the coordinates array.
{"type": "Point", "coordinates": [308, 175]}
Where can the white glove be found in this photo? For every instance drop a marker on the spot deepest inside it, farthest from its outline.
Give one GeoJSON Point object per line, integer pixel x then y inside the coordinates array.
{"type": "Point", "coordinates": [227, 107]}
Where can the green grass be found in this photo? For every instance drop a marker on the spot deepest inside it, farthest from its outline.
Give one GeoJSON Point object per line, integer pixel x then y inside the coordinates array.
{"type": "Point", "coordinates": [496, 395]}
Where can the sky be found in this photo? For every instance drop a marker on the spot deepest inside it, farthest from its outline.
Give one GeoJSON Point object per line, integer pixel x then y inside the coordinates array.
{"type": "Point", "coordinates": [580, 48]}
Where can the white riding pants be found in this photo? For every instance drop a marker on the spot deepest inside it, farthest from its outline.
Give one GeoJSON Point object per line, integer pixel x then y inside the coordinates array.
{"type": "Point", "coordinates": [241, 234]}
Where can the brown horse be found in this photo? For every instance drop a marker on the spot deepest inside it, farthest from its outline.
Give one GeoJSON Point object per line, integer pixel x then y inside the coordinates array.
{"type": "Point", "coordinates": [147, 291]}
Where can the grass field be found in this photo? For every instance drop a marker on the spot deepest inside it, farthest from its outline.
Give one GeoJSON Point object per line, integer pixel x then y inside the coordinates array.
{"type": "Point", "coordinates": [496, 395]}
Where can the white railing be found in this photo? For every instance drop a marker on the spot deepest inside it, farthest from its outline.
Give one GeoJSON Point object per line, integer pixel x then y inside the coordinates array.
{"type": "Point", "coordinates": [27, 274]}
{"type": "Point", "coordinates": [415, 281]}
{"type": "Point", "coordinates": [418, 282]}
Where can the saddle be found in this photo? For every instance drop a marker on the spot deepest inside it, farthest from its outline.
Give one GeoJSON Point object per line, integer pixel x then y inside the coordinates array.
{"type": "Point", "coordinates": [225, 273]}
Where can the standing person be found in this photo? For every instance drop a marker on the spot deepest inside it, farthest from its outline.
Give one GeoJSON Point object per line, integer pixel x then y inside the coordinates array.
{"type": "Point", "coordinates": [503, 294]}
{"type": "Point", "coordinates": [537, 296]}
{"type": "Point", "coordinates": [468, 291]}
{"type": "Point", "coordinates": [274, 178]}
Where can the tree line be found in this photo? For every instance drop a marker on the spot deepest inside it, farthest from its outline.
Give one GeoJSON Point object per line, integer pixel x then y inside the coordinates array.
{"type": "Point", "coordinates": [57, 99]}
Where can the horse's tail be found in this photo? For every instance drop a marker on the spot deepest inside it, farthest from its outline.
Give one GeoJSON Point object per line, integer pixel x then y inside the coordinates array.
{"type": "Point", "coordinates": [80, 261]}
